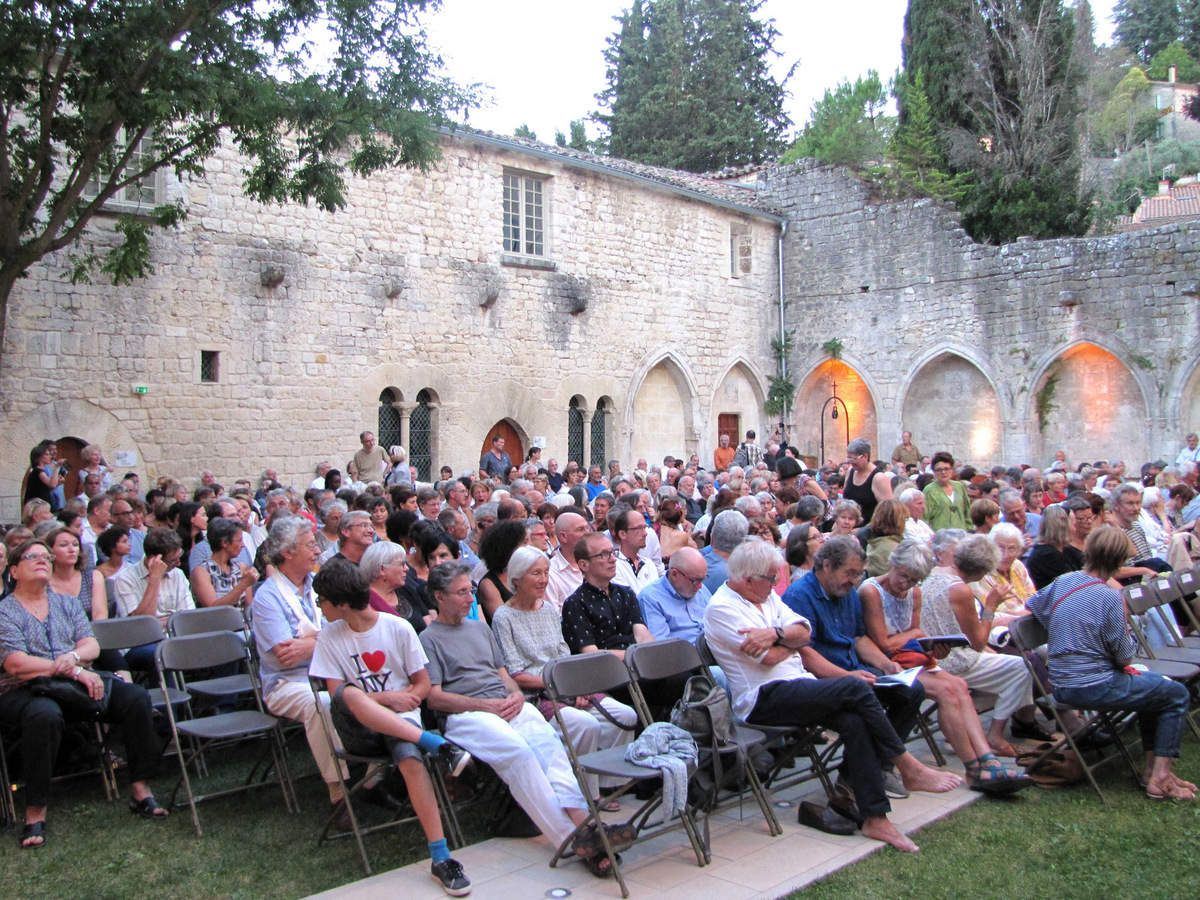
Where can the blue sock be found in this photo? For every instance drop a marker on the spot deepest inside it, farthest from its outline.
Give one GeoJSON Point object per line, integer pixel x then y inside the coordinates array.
{"type": "Point", "coordinates": [438, 850]}
{"type": "Point", "coordinates": [430, 743]}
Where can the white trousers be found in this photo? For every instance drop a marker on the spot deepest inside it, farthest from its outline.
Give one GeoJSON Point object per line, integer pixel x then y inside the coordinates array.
{"type": "Point", "coordinates": [294, 700]}
{"type": "Point", "coordinates": [1002, 675]}
{"type": "Point", "coordinates": [529, 757]}
{"type": "Point", "coordinates": [589, 731]}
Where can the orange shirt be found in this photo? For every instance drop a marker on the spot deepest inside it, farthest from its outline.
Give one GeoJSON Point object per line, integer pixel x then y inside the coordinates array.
{"type": "Point", "coordinates": [722, 457]}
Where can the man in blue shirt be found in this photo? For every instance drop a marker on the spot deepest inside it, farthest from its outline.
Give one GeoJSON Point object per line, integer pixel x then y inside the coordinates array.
{"type": "Point", "coordinates": [673, 606]}
{"type": "Point", "coordinates": [729, 529]}
{"type": "Point", "coordinates": [828, 597]}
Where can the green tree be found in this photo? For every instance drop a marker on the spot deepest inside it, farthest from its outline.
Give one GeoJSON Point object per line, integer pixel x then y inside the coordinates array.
{"type": "Point", "coordinates": [524, 131]}
{"type": "Point", "coordinates": [689, 85]}
{"type": "Point", "coordinates": [96, 97]}
{"type": "Point", "coordinates": [578, 139]}
{"type": "Point", "coordinates": [1189, 26]}
{"type": "Point", "coordinates": [1174, 54]}
{"type": "Point", "coordinates": [1146, 26]}
{"type": "Point", "coordinates": [917, 164]}
{"type": "Point", "coordinates": [1128, 118]}
{"type": "Point", "coordinates": [847, 126]}
{"type": "Point", "coordinates": [933, 45]}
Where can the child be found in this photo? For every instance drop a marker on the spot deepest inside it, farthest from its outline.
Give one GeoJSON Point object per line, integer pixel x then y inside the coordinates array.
{"type": "Point", "coordinates": [374, 669]}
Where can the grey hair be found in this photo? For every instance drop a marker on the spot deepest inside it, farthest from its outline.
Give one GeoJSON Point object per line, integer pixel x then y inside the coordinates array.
{"type": "Point", "coordinates": [285, 535]}
{"type": "Point", "coordinates": [277, 492]}
{"type": "Point", "coordinates": [378, 555]}
{"type": "Point", "coordinates": [843, 505]}
{"type": "Point", "coordinates": [908, 495]}
{"type": "Point", "coordinates": [1124, 489]}
{"type": "Point", "coordinates": [837, 551]}
{"type": "Point", "coordinates": [491, 508]}
{"type": "Point", "coordinates": [1002, 530]}
{"type": "Point", "coordinates": [1074, 481]}
{"type": "Point", "coordinates": [330, 505]}
{"type": "Point", "coordinates": [521, 484]}
{"type": "Point", "coordinates": [766, 498]}
{"type": "Point", "coordinates": [522, 560]}
{"type": "Point", "coordinates": [746, 504]}
{"type": "Point", "coordinates": [975, 556]}
{"type": "Point", "coordinates": [913, 557]}
{"type": "Point", "coordinates": [946, 539]}
{"type": "Point", "coordinates": [753, 557]}
{"type": "Point", "coordinates": [809, 507]}
{"type": "Point", "coordinates": [1009, 496]}
{"type": "Point", "coordinates": [444, 574]}
{"type": "Point", "coordinates": [729, 529]}
{"type": "Point", "coordinates": [352, 518]}
{"type": "Point", "coordinates": [858, 447]}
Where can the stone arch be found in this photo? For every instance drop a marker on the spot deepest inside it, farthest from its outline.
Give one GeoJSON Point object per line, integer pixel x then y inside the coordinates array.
{"type": "Point", "coordinates": [600, 441]}
{"type": "Point", "coordinates": [512, 432]}
{"type": "Point", "coordinates": [661, 413]}
{"type": "Point", "coordinates": [1086, 400]}
{"type": "Point", "coordinates": [1184, 402]}
{"type": "Point", "coordinates": [577, 422]}
{"type": "Point", "coordinates": [739, 391]}
{"type": "Point", "coordinates": [389, 429]}
{"type": "Point", "coordinates": [952, 402]}
{"type": "Point", "coordinates": [815, 389]}
{"type": "Point", "coordinates": [60, 418]}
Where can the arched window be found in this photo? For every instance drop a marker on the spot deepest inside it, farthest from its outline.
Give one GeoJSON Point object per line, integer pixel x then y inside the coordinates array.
{"type": "Point", "coordinates": [601, 425]}
{"type": "Point", "coordinates": [421, 435]}
{"type": "Point", "coordinates": [575, 431]}
{"type": "Point", "coordinates": [388, 431]}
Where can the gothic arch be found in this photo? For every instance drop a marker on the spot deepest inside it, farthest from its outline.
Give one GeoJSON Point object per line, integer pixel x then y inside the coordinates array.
{"type": "Point", "coordinates": [1182, 403]}
{"type": "Point", "coordinates": [662, 389]}
{"type": "Point", "coordinates": [951, 401]}
{"type": "Point", "coordinates": [854, 389]}
{"type": "Point", "coordinates": [1087, 400]}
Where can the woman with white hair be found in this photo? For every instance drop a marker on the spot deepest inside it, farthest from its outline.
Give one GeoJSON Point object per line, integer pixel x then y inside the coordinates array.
{"type": "Point", "coordinates": [948, 607]}
{"type": "Point", "coordinates": [384, 566]}
{"type": "Point", "coordinates": [1010, 576]}
{"type": "Point", "coordinates": [399, 473]}
{"type": "Point", "coordinates": [529, 632]}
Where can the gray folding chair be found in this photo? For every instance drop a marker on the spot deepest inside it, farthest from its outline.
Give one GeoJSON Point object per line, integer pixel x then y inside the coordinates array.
{"type": "Point", "coordinates": [204, 651]}
{"type": "Point", "coordinates": [672, 658]}
{"type": "Point", "coordinates": [1028, 634]}
{"type": "Point", "coordinates": [1172, 589]}
{"type": "Point", "coordinates": [569, 677]}
{"type": "Point", "coordinates": [372, 765]}
{"type": "Point", "coordinates": [135, 631]}
{"type": "Point", "coordinates": [226, 689]}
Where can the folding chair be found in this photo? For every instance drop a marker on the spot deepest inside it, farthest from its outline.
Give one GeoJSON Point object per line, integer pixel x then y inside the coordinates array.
{"type": "Point", "coordinates": [574, 676]}
{"type": "Point", "coordinates": [786, 744]}
{"type": "Point", "coordinates": [204, 651]}
{"type": "Point", "coordinates": [372, 765]}
{"type": "Point", "coordinates": [134, 631]}
{"type": "Point", "coordinates": [1175, 662]}
{"type": "Point", "coordinates": [1028, 634]}
{"type": "Point", "coordinates": [675, 657]}
{"type": "Point", "coordinates": [1174, 589]}
{"type": "Point", "coordinates": [223, 688]}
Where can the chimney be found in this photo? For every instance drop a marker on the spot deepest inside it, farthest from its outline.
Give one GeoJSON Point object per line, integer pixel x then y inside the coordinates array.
{"type": "Point", "coordinates": [1164, 187]}
{"type": "Point", "coordinates": [1171, 72]}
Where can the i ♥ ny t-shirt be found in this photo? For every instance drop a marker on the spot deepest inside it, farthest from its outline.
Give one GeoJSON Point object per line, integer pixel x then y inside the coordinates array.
{"type": "Point", "coordinates": [379, 659]}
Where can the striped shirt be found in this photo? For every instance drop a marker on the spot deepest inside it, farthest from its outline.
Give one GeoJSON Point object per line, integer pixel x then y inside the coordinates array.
{"type": "Point", "coordinates": [1089, 638]}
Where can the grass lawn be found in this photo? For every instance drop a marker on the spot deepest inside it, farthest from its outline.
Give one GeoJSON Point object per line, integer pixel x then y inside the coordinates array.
{"type": "Point", "coordinates": [1061, 843]}
{"type": "Point", "coordinates": [1042, 843]}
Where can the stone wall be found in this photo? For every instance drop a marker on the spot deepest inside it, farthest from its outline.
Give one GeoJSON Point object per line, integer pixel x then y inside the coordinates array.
{"type": "Point", "coordinates": [404, 290]}
{"type": "Point", "coordinates": [956, 341]}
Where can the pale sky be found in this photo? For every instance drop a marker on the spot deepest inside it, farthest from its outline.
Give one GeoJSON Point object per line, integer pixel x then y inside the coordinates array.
{"type": "Point", "coordinates": [542, 58]}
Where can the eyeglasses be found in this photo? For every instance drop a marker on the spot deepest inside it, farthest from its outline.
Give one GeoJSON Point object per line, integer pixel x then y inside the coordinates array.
{"type": "Point", "coordinates": [603, 554]}
{"type": "Point", "coordinates": [461, 592]}
{"type": "Point", "coordinates": [696, 582]}
{"type": "Point", "coordinates": [770, 579]}
{"type": "Point", "coordinates": [35, 557]}
{"type": "Point", "coordinates": [943, 469]}
{"type": "Point", "coordinates": [641, 527]}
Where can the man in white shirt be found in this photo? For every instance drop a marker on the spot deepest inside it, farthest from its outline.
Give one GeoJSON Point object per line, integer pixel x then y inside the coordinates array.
{"type": "Point", "coordinates": [628, 530]}
{"type": "Point", "coordinates": [156, 586]}
{"type": "Point", "coordinates": [1191, 450]}
{"type": "Point", "coordinates": [755, 639]}
{"type": "Point", "coordinates": [565, 577]}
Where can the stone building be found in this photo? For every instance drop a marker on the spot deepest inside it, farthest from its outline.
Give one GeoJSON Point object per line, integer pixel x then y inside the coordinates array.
{"type": "Point", "coordinates": [599, 308]}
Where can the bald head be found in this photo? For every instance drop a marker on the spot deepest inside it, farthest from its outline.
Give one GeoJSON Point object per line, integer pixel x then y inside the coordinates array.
{"type": "Point", "coordinates": [686, 571]}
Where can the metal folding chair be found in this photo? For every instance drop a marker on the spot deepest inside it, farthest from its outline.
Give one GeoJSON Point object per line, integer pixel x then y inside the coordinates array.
{"type": "Point", "coordinates": [373, 764]}
{"type": "Point", "coordinates": [672, 658]}
{"type": "Point", "coordinates": [135, 631]}
{"type": "Point", "coordinates": [222, 688]}
{"type": "Point", "coordinates": [592, 673]}
{"type": "Point", "coordinates": [204, 651]}
{"type": "Point", "coordinates": [1028, 634]}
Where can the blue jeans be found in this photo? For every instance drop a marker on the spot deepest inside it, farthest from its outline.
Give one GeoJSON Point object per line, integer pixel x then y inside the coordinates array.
{"type": "Point", "coordinates": [1159, 702]}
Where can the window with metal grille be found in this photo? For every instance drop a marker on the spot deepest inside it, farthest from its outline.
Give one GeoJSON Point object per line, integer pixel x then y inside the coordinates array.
{"type": "Point", "coordinates": [575, 432]}
{"type": "Point", "coordinates": [600, 422]}
{"type": "Point", "coordinates": [741, 250]}
{"type": "Point", "coordinates": [210, 366]}
{"type": "Point", "coordinates": [420, 437]}
{"type": "Point", "coordinates": [524, 214]}
{"type": "Point", "coordinates": [144, 191]}
{"type": "Point", "coordinates": [388, 430]}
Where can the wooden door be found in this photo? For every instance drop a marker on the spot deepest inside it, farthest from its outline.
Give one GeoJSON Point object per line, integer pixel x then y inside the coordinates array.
{"type": "Point", "coordinates": [69, 449]}
{"type": "Point", "coordinates": [512, 441]}
{"type": "Point", "coordinates": [730, 424]}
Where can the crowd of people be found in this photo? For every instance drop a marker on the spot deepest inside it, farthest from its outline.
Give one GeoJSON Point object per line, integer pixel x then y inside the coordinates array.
{"type": "Point", "coordinates": [810, 586]}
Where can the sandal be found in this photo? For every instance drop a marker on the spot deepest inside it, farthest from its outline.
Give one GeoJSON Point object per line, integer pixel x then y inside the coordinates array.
{"type": "Point", "coordinates": [589, 844]}
{"type": "Point", "coordinates": [600, 866]}
{"type": "Point", "coordinates": [148, 808]}
{"type": "Point", "coordinates": [33, 831]}
{"type": "Point", "coordinates": [989, 775]}
{"type": "Point", "coordinates": [1172, 791]}
{"type": "Point", "coordinates": [607, 804]}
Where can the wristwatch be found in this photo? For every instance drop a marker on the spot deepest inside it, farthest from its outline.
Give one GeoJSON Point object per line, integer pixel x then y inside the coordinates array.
{"type": "Point", "coordinates": [778, 635]}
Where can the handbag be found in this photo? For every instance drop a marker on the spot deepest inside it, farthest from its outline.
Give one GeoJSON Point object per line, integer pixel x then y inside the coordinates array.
{"type": "Point", "coordinates": [71, 696]}
{"type": "Point", "coordinates": [1051, 770]}
{"type": "Point", "coordinates": [704, 712]}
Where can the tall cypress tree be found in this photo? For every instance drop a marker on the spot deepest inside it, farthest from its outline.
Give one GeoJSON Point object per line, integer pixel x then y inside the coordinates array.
{"type": "Point", "coordinates": [689, 85]}
{"type": "Point", "coordinates": [1146, 26]}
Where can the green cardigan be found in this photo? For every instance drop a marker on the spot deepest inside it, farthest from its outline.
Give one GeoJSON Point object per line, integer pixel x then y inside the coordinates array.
{"type": "Point", "coordinates": [941, 512]}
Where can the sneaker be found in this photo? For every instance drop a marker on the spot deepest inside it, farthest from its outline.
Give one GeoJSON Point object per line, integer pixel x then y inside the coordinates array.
{"type": "Point", "coordinates": [450, 875]}
{"type": "Point", "coordinates": [893, 786]}
{"type": "Point", "coordinates": [453, 759]}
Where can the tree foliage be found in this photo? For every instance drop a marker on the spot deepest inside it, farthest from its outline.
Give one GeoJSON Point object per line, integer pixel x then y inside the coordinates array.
{"type": "Point", "coordinates": [917, 163]}
{"type": "Point", "coordinates": [96, 97]}
{"type": "Point", "coordinates": [524, 131]}
{"type": "Point", "coordinates": [1129, 116]}
{"type": "Point", "coordinates": [1174, 54]}
{"type": "Point", "coordinates": [689, 85]}
{"type": "Point", "coordinates": [1135, 176]}
{"type": "Point", "coordinates": [1146, 26]}
{"type": "Point", "coordinates": [1002, 80]}
{"type": "Point", "coordinates": [847, 125]}
{"type": "Point", "coordinates": [578, 139]}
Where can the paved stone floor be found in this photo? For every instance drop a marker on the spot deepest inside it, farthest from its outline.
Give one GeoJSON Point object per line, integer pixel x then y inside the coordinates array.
{"type": "Point", "coordinates": [746, 861]}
